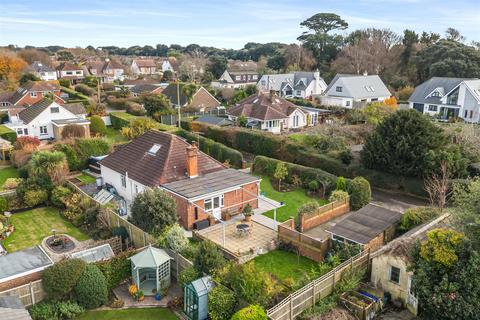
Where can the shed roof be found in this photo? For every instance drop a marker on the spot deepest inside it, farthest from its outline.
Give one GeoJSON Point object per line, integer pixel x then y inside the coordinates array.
{"type": "Point", "coordinates": [24, 261]}
{"type": "Point", "coordinates": [365, 224]}
{"type": "Point", "coordinates": [150, 258]}
{"type": "Point", "coordinates": [203, 285]}
{"type": "Point", "coordinates": [98, 253]}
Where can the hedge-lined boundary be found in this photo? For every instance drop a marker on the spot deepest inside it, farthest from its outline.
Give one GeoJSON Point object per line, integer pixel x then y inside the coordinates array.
{"type": "Point", "coordinates": [75, 94]}
{"type": "Point", "coordinates": [8, 134]}
{"type": "Point", "coordinates": [121, 119]}
{"type": "Point", "coordinates": [284, 149]}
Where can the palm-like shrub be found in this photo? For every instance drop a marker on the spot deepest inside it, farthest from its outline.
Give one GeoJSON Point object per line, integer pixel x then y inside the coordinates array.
{"type": "Point", "coordinates": [54, 164]}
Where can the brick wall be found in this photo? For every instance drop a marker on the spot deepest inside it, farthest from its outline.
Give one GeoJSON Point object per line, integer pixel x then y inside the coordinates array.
{"type": "Point", "coordinates": [203, 99]}
{"type": "Point", "coordinates": [375, 244]}
{"type": "Point", "coordinates": [324, 214]}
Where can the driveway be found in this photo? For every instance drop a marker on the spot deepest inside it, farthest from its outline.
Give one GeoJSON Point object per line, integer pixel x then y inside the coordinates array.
{"type": "Point", "coordinates": [396, 201]}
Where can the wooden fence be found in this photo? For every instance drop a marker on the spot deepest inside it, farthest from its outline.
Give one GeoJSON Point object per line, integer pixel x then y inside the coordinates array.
{"type": "Point", "coordinates": [29, 293]}
{"type": "Point", "coordinates": [306, 297]}
{"type": "Point", "coordinates": [323, 214]}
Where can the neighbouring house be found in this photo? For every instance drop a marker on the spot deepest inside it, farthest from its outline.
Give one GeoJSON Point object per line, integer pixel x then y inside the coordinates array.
{"type": "Point", "coordinates": [390, 265]}
{"type": "Point", "coordinates": [70, 71]}
{"type": "Point", "coordinates": [138, 89]}
{"type": "Point", "coordinates": [354, 91]}
{"type": "Point", "coordinates": [200, 99]}
{"type": "Point", "coordinates": [446, 98]}
{"type": "Point", "coordinates": [170, 64]}
{"type": "Point", "coordinates": [370, 227]}
{"type": "Point", "coordinates": [238, 74]}
{"type": "Point", "coordinates": [202, 187]}
{"type": "Point", "coordinates": [22, 267]}
{"type": "Point", "coordinates": [272, 113]}
{"type": "Point", "coordinates": [214, 120]}
{"type": "Point", "coordinates": [107, 71]}
{"type": "Point", "coordinates": [304, 85]}
{"type": "Point", "coordinates": [47, 119]}
{"type": "Point", "coordinates": [31, 93]}
{"type": "Point", "coordinates": [43, 71]}
{"type": "Point", "coordinates": [144, 66]}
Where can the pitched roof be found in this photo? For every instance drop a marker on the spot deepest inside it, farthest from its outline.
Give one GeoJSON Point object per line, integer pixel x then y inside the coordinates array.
{"type": "Point", "coordinates": [168, 164]}
{"type": "Point", "coordinates": [75, 108]}
{"type": "Point", "coordinates": [365, 224]}
{"type": "Point", "coordinates": [209, 183]}
{"type": "Point", "coordinates": [145, 63]}
{"type": "Point", "coordinates": [218, 121]}
{"type": "Point", "coordinates": [171, 93]}
{"type": "Point", "coordinates": [68, 66]}
{"type": "Point", "coordinates": [443, 84]}
{"type": "Point", "coordinates": [143, 87]}
{"type": "Point", "coordinates": [264, 107]}
{"type": "Point", "coordinates": [358, 86]}
{"type": "Point", "coordinates": [34, 86]}
{"type": "Point", "coordinates": [29, 114]}
{"type": "Point", "coordinates": [38, 66]}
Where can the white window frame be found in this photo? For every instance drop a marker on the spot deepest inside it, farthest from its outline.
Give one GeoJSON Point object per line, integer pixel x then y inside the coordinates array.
{"type": "Point", "coordinates": [43, 130]}
{"type": "Point", "coordinates": [211, 202]}
{"type": "Point", "coordinates": [123, 180]}
{"type": "Point", "coordinates": [432, 108]}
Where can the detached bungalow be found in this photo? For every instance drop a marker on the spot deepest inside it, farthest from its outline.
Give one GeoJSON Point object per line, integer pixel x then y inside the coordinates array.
{"type": "Point", "coordinates": [73, 72]}
{"type": "Point", "coordinates": [354, 91]}
{"type": "Point", "coordinates": [202, 187]}
{"type": "Point", "coordinates": [201, 100]}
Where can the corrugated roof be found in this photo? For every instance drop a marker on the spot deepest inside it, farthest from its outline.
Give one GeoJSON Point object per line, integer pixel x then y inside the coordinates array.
{"type": "Point", "coordinates": [210, 183]}
{"type": "Point", "coordinates": [365, 224]}
{"type": "Point", "coordinates": [26, 260]}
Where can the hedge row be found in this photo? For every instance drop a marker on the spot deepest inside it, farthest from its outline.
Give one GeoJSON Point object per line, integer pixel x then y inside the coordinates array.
{"type": "Point", "coordinates": [74, 95]}
{"type": "Point", "coordinates": [8, 134]}
{"type": "Point", "coordinates": [214, 149]}
{"type": "Point", "coordinates": [282, 148]}
{"type": "Point", "coordinates": [121, 119]}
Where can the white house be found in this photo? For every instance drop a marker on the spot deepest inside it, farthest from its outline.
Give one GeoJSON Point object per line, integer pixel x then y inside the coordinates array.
{"type": "Point", "coordinates": [235, 79]}
{"type": "Point", "coordinates": [354, 91]}
{"type": "Point", "coordinates": [43, 71]}
{"type": "Point", "coordinates": [444, 98]}
{"type": "Point", "coordinates": [46, 119]}
{"type": "Point", "coordinates": [302, 85]}
{"type": "Point", "coordinates": [272, 113]}
{"type": "Point", "coordinates": [72, 72]}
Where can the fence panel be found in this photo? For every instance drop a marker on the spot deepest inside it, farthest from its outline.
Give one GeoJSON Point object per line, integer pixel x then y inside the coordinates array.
{"type": "Point", "coordinates": [306, 297]}
{"type": "Point", "coordinates": [29, 294]}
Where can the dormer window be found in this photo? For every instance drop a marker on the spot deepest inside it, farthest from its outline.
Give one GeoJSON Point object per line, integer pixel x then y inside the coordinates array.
{"type": "Point", "coordinates": [54, 110]}
{"type": "Point", "coordinates": [339, 89]}
{"type": "Point", "coordinates": [33, 94]}
{"type": "Point", "coordinates": [154, 149]}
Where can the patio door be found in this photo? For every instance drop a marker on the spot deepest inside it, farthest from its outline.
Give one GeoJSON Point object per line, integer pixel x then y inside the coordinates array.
{"type": "Point", "coordinates": [411, 300]}
{"type": "Point", "coordinates": [215, 205]}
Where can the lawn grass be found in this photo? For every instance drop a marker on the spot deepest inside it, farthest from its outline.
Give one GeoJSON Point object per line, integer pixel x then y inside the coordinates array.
{"type": "Point", "coordinates": [6, 173]}
{"type": "Point", "coordinates": [292, 200]}
{"type": "Point", "coordinates": [128, 314]}
{"type": "Point", "coordinates": [33, 225]}
{"type": "Point", "coordinates": [284, 264]}
{"type": "Point", "coordinates": [114, 136]}
{"type": "Point", "coordinates": [86, 179]}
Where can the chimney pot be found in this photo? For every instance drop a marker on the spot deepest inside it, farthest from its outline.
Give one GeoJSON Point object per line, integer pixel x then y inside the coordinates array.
{"type": "Point", "coordinates": [192, 160]}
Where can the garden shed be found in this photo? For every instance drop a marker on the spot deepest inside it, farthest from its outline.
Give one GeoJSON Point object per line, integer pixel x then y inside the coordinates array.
{"type": "Point", "coordinates": [195, 298]}
{"type": "Point", "coordinates": [98, 253]}
{"type": "Point", "coordinates": [151, 270]}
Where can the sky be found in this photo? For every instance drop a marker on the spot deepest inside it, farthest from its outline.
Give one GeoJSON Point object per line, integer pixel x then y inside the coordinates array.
{"type": "Point", "coordinates": [219, 23]}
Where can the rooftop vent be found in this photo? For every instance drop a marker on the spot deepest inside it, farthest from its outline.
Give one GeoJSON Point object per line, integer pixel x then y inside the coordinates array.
{"type": "Point", "coordinates": [154, 149]}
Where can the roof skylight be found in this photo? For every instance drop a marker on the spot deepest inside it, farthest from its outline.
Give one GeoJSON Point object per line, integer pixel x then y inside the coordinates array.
{"type": "Point", "coordinates": [154, 149]}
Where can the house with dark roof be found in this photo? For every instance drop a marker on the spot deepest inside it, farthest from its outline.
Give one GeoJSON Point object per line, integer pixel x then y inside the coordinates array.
{"type": "Point", "coordinates": [216, 121]}
{"type": "Point", "coordinates": [269, 112]}
{"type": "Point", "coordinates": [446, 98]}
{"type": "Point", "coordinates": [304, 85]}
{"type": "Point", "coordinates": [138, 89]}
{"type": "Point", "coordinates": [238, 74]}
{"type": "Point", "coordinates": [144, 66]}
{"type": "Point", "coordinates": [354, 91]}
{"type": "Point", "coordinates": [47, 119]}
{"type": "Point", "coordinates": [201, 99]}
{"type": "Point", "coordinates": [31, 93]}
{"type": "Point", "coordinates": [202, 187]}
{"type": "Point", "coordinates": [43, 71]}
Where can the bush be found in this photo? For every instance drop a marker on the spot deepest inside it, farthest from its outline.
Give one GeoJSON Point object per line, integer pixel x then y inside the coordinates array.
{"type": "Point", "coordinates": [174, 238]}
{"type": "Point", "coordinates": [11, 183]}
{"type": "Point", "coordinates": [70, 154]}
{"type": "Point", "coordinates": [69, 310]}
{"type": "Point", "coordinates": [116, 269]}
{"type": "Point", "coordinates": [187, 276]}
{"type": "Point", "coordinates": [86, 148]}
{"type": "Point", "coordinates": [252, 312]}
{"type": "Point", "coordinates": [3, 204]}
{"type": "Point", "coordinates": [60, 279]}
{"type": "Point", "coordinates": [84, 89]}
{"type": "Point", "coordinates": [308, 207]}
{"type": "Point", "coordinates": [97, 126]}
{"type": "Point", "coordinates": [120, 119]}
{"type": "Point", "coordinates": [208, 259]}
{"type": "Point", "coordinates": [55, 310]}
{"type": "Point", "coordinates": [359, 192]}
{"type": "Point", "coordinates": [91, 289]}
{"type": "Point", "coordinates": [341, 184]}
{"type": "Point", "coordinates": [59, 194]}
{"type": "Point", "coordinates": [27, 143]}
{"type": "Point", "coordinates": [221, 303]}
{"type": "Point", "coordinates": [135, 109]}
{"type": "Point", "coordinates": [33, 198]}
{"type": "Point", "coordinates": [64, 82]}
{"type": "Point", "coordinates": [313, 185]}
{"type": "Point", "coordinates": [73, 131]}
{"type": "Point", "coordinates": [346, 157]}
{"type": "Point", "coordinates": [338, 195]}
{"type": "Point", "coordinates": [137, 127]}
{"type": "Point", "coordinates": [416, 216]}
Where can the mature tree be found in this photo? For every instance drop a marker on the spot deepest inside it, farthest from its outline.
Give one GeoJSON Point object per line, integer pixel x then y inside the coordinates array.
{"type": "Point", "coordinates": [276, 62]}
{"type": "Point", "coordinates": [155, 104]}
{"type": "Point", "coordinates": [299, 58]}
{"type": "Point", "coordinates": [376, 112]}
{"type": "Point", "coordinates": [438, 187]}
{"type": "Point", "coordinates": [453, 34]}
{"type": "Point", "coordinates": [446, 277]}
{"type": "Point", "coordinates": [410, 41]}
{"type": "Point", "coordinates": [448, 59]}
{"type": "Point", "coordinates": [54, 164]}
{"type": "Point", "coordinates": [154, 210]}
{"type": "Point", "coordinates": [217, 65]}
{"type": "Point", "coordinates": [167, 76]}
{"type": "Point", "coordinates": [10, 69]}
{"type": "Point", "coordinates": [429, 38]}
{"type": "Point", "coordinates": [400, 144]}
{"type": "Point", "coordinates": [466, 208]}
{"type": "Point", "coordinates": [189, 90]}
{"type": "Point", "coordinates": [32, 55]}
{"type": "Point", "coordinates": [26, 77]}
{"type": "Point", "coordinates": [318, 38]}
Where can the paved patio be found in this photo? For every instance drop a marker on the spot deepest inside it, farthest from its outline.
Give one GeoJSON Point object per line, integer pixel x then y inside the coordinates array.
{"type": "Point", "coordinates": [121, 292]}
{"type": "Point", "coordinates": [260, 239]}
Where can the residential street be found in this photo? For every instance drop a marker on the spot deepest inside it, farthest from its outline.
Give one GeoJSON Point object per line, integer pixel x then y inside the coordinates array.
{"type": "Point", "coordinates": [396, 201]}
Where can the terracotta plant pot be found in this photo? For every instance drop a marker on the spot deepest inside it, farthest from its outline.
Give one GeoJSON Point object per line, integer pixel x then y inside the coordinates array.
{"type": "Point", "coordinates": [248, 218]}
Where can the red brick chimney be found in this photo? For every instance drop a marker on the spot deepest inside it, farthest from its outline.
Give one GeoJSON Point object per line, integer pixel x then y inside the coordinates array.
{"type": "Point", "coordinates": [192, 161]}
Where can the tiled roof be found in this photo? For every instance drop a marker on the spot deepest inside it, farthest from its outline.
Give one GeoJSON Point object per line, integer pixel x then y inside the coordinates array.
{"type": "Point", "coordinates": [41, 67]}
{"type": "Point", "coordinates": [358, 86]}
{"type": "Point", "coordinates": [29, 114]}
{"type": "Point", "coordinates": [75, 108]}
{"type": "Point", "coordinates": [145, 63]}
{"type": "Point", "coordinates": [68, 66]}
{"type": "Point", "coordinates": [171, 93]}
{"type": "Point", "coordinates": [145, 87]}
{"type": "Point", "coordinates": [168, 164]}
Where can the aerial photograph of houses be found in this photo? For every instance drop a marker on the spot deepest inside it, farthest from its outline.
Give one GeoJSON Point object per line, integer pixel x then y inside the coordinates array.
{"type": "Point", "coordinates": [240, 160]}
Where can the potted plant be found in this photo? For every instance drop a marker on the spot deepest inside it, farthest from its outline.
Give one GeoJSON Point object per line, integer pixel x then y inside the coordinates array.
{"type": "Point", "coordinates": [140, 296]}
{"type": "Point", "coordinates": [248, 212]}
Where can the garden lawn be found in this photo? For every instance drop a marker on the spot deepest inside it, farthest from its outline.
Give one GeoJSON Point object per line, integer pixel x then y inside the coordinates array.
{"type": "Point", "coordinates": [129, 314]}
{"type": "Point", "coordinates": [292, 200]}
{"type": "Point", "coordinates": [32, 226]}
{"type": "Point", "coordinates": [114, 136]}
{"type": "Point", "coordinates": [6, 173]}
{"type": "Point", "coordinates": [284, 264]}
{"type": "Point", "coordinates": [86, 179]}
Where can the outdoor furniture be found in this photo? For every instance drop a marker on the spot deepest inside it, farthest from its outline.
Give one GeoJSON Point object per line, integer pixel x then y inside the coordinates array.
{"type": "Point", "coordinates": [243, 229]}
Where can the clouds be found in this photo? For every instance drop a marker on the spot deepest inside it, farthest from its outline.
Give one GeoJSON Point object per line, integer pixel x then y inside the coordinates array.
{"type": "Point", "coordinates": [226, 23]}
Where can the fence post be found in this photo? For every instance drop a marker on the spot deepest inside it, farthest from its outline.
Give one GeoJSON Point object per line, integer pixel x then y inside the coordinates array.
{"type": "Point", "coordinates": [291, 307]}
{"type": "Point", "coordinates": [144, 239]}
{"type": "Point", "coordinates": [313, 293]}
{"type": "Point", "coordinates": [176, 258]}
{"type": "Point", "coordinates": [32, 294]}
{"type": "Point", "coordinates": [334, 272]}
{"type": "Point", "coordinates": [351, 263]}
{"type": "Point", "coordinates": [130, 234]}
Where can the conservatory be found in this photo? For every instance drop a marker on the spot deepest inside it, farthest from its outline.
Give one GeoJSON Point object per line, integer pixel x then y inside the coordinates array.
{"type": "Point", "coordinates": [151, 270]}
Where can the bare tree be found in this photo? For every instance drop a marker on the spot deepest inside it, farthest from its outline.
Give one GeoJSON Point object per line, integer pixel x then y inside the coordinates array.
{"type": "Point", "coordinates": [300, 57]}
{"type": "Point", "coordinates": [437, 186]}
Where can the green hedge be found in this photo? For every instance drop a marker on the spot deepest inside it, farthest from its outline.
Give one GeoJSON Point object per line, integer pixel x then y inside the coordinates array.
{"type": "Point", "coordinates": [121, 119]}
{"type": "Point", "coordinates": [74, 95]}
{"type": "Point", "coordinates": [8, 134]}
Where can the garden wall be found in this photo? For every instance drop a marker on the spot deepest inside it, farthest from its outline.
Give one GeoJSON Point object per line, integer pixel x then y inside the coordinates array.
{"type": "Point", "coordinates": [323, 214]}
{"type": "Point", "coordinates": [307, 246]}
